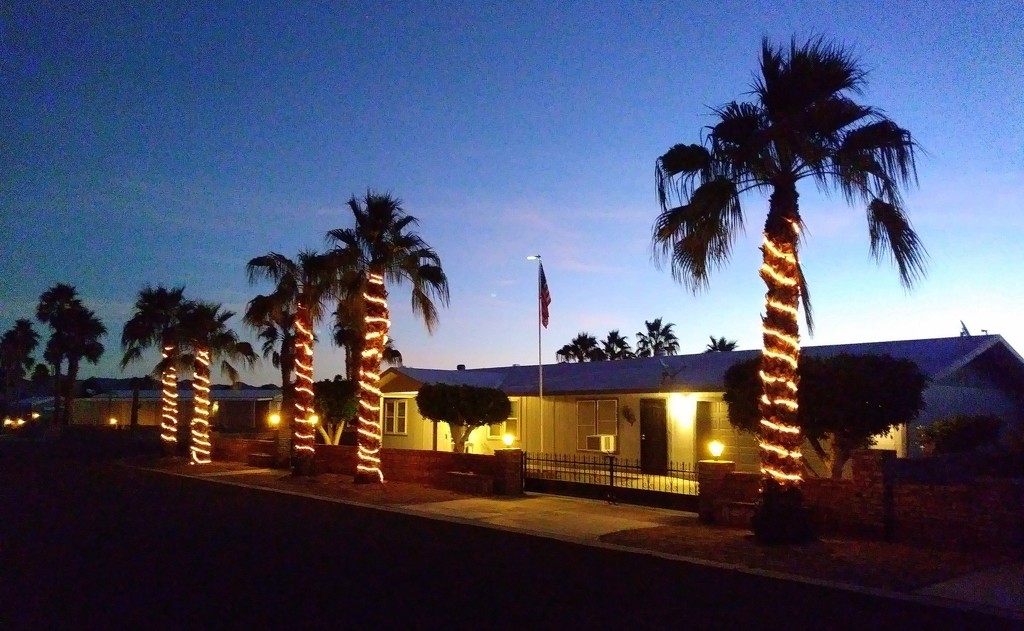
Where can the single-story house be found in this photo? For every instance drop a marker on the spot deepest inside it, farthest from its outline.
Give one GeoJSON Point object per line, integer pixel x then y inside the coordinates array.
{"type": "Point", "coordinates": [239, 410]}
{"type": "Point", "coordinates": [668, 409]}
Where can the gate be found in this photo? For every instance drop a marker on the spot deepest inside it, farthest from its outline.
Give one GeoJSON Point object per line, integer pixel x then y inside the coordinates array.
{"type": "Point", "coordinates": [611, 478]}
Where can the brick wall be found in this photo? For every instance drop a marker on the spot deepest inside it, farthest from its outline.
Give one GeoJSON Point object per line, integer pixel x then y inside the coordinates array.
{"type": "Point", "coordinates": [402, 465]}
{"type": "Point", "coordinates": [876, 502]}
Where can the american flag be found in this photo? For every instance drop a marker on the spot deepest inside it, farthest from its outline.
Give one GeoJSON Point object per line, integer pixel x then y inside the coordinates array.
{"type": "Point", "coordinates": [545, 297]}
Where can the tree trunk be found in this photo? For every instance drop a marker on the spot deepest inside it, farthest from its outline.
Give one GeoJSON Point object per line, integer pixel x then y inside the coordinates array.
{"type": "Point", "coordinates": [304, 432]}
{"type": "Point", "coordinates": [57, 393]}
{"type": "Point", "coordinates": [200, 434]}
{"type": "Point", "coordinates": [133, 419]}
{"type": "Point", "coordinates": [780, 517]}
{"type": "Point", "coordinates": [169, 403]}
{"type": "Point", "coordinates": [375, 337]}
{"type": "Point", "coordinates": [459, 435]}
{"type": "Point", "coordinates": [69, 389]}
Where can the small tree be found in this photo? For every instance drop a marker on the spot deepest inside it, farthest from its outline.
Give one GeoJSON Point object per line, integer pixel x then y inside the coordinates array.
{"type": "Point", "coordinates": [336, 403]}
{"type": "Point", "coordinates": [844, 401]}
{"type": "Point", "coordinates": [464, 408]}
{"type": "Point", "coordinates": [960, 434]}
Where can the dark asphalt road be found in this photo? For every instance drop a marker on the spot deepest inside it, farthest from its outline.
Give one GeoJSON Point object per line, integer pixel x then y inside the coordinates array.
{"type": "Point", "coordinates": [91, 546]}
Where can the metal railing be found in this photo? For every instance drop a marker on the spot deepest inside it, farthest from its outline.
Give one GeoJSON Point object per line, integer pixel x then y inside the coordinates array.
{"type": "Point", "coordinates": [611, 471]}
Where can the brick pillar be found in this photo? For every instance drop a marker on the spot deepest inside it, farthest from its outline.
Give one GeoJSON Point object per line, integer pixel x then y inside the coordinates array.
{"type": "Point", "coordinates": [508, 479]}
{"type": "Point", "coordinates": [710, 476]}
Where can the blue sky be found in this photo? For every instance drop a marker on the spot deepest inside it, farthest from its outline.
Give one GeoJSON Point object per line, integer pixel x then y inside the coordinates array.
{"type": "Point", "coordinates": [171, 145]}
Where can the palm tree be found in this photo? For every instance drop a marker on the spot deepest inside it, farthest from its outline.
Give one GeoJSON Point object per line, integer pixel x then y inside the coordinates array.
{"type": "Point", "coordinates": [53, 303]}
{"type": "Point", "coordinates": [81, 332]}
{"type": "Point", "coordinates": [348, 334]}
{"type": "Point", "coordinates": [302, 288]}
{"type": "Point", "coordinates": [156, 323]}
{"type": "Point", "coordinates": [659, 340]}
{"type": "Point", "coordinates": [616, 346]}
{"type": "Point", "coordinates": [205, 338]}
{"type": "Point", "coordinates": [801, 123]}
{"type": "Point", "coordinates": [16, 347]}
{"type": "Point", "coordinates": [380, 249]}
{"type": "Point", "coordinates": [582, 348]}
{"type": "Point", "coordinates": [720, 345]}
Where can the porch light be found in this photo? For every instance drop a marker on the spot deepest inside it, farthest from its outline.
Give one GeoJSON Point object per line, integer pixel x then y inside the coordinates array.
{"type": "Point", "coordinates": [112, 421]}
{"type": "Point", "coordinates": [508, 439]}
{"type": "Point", "coordinates": [315, 420]}
{"type": "Point", "coordinates": [274, 420]}
{"type": "Point", "coordinates": [716, 448]}
{"type": "Point", "coordinates": [35, 415]}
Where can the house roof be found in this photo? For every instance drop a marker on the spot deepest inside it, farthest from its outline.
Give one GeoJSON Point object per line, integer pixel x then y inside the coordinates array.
{"type": "Point", "coordinates": [704, 372]}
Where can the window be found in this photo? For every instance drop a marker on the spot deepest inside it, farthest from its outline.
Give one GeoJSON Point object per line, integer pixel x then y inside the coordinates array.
{"type": "Point", "coordinates": [510, 426]}
{"type": "Point", "coordinates": [394, 416]}
{"type": "Point", "coordinates": [595, 416]}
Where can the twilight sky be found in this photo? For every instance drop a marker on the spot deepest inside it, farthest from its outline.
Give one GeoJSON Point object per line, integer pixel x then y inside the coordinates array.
{"type": "Point", "coordinates": [171, 145]}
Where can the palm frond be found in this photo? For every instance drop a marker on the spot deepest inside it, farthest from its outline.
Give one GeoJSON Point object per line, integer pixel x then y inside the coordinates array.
{"type": "Point", "coordinates": [891, 232]}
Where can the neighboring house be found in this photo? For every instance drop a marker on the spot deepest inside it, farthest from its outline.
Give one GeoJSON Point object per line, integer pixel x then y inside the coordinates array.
{"type": "Point", "coordinates": [238, 410]}
{"type": "Point", "coordinates": [663, 409]}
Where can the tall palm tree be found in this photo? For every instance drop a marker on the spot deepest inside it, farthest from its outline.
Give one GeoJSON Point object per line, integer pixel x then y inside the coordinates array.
{"type": "Point", "coordinates": [616, 346]}
{"type": "Point", "coordinates": [802, 122]}
{"type": "Point", "coordinates": [16, 347]}
{"type": "Point", "coordinates": [720, 345]}
{"type": "Point", "coordinates": [302, 289]}
{"type": "Point", "coordinates": [582, 348]}
{"type": "Point", "coordinates": [206, 338]}
{"type": "Point", "coordinates": [81, 332]}
{"type": "Point", "coordinates": [382, 248]}
{"type": "Point", "coordinates": [156, 323]}
{"type": "Point", "coordinates": [53, 303]}
{"type": "Point", "coordinates": [659, 339]}
{"type": "Point", "coordinates": [348, 334]}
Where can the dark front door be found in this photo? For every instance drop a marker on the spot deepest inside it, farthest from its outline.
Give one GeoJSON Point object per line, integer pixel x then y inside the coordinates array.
{"type": "Point", "coordinates": [653, 436]}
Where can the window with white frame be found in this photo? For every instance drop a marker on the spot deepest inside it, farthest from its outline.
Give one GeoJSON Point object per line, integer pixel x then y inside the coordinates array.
{"type": "Point", "coordinates": [395, 411]}
{"type": "Point", "coordinates": [509, 426]}
{"type": "Point", "coordinates": [595, 416]}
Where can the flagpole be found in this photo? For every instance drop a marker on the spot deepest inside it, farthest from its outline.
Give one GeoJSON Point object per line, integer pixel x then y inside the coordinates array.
{"type": "Point", "coordinates": [540, 356]}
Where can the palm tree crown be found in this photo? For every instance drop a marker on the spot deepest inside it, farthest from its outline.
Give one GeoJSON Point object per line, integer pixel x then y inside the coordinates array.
{"type": "Point", "coordinates": [16, 348]}
{"type": "Point", "coordinates": [582, 348]}
{"type": "Point", "coordinates": [659, 339]}
{"type": "Point", "coordinates": [616, 346]}
{"type": "Point", "coordinates": [719, 345]}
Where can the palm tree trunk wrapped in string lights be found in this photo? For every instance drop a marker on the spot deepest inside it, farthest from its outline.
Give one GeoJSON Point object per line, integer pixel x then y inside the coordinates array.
{"type": "Point", "coordinates": [375, 337]}
{"type": "Point", "coordinates": [304, 437]}
{"type": "Point", "coordinates": [201, 408]}
{"type": "Point", "coordinates": [169, 402]}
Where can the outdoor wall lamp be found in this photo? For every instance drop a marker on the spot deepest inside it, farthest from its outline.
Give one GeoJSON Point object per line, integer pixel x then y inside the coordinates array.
{"type": "Point", "coordinates": [716, 448]}
{"type": "Point", "coordinates": [508, 439]}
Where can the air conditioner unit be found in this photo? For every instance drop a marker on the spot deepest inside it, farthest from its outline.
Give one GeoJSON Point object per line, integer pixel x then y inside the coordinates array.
{"type": "Point", "coordinates": [601, 442]}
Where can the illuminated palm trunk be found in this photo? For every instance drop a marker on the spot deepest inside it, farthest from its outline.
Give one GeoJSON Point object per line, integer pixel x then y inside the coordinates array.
{"type": "Point", "coordinates": [304, 438]}
{"type": "Point", "coordinates": [169, 407]}
{"type": "Point", "coordinates": [375, 337]}
{"type": "Point", "coordinates": [201, 409]}
{"type": "Point", "coordinates": [780, 436]}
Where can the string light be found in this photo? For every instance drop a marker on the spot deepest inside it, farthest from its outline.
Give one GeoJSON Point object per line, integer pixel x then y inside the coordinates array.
{"type": "Point", "coordinates": [305, 425]}
{"type": "Point", "coordinates": [780, 436]}
{"type": "Point", "coordinates": [375, 338]}
{"type": "Point", "coordinates": [169, 408]}
{"type": "Point", "coordinates": [201, 414]}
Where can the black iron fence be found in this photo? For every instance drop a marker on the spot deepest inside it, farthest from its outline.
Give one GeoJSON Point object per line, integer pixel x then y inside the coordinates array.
{"type": "Point", "coordinates": [611, 477]}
